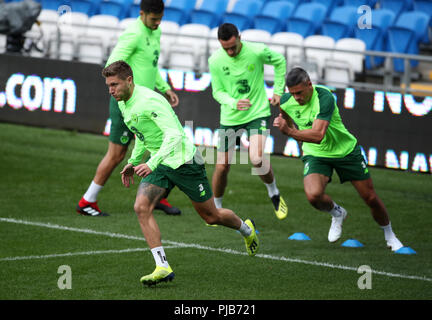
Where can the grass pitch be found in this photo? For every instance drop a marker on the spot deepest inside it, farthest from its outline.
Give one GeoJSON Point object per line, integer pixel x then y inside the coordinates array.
{"type": "Point", "coordinates": [44, 173]}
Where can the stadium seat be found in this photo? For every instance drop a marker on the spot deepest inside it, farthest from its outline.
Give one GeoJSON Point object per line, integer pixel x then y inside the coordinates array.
{"type": "Point", "coordinates": [340, 69]}
{"type": "Point", "coordinates": [116, 8]}
{"type": "Point", "coordinates": [93, 46]}
{"type": "Point", "coordinates": [288, 43]}
{"type": "Point", "coordinates": [169, 31]}
{"type": "Point", "coordinates": [54, 4]}
{"type": "Point", "coordinates": [307, 19]}
{"type": "Point", "coordinates": [358, 3]}
{"type": "Point", "coordinates": [213, 43]}
{"type": "Point", "coordinates": [426, 7]}
{"type": "Point", "coordinates": [188, 52]}
{"type": "Point", "coordinates": [256, 35]}
{"type": "Point", "coordinates": [329, 4]}
{"type": "Point", "coordinates": [209, 13]}
{"type": "Point", "coordinates": [405, 35]}
{"type": "Point", "coordinates": [341, 23]}
{"type": "Point", "coordinates": [134, 10]}
{"type": "Point", "coordinates": [315, 54]}
{"type": "Point", "coordinates": [273, 16]}
{"type": "Point", "coordinates": [242, 13]}
{"type": "Point", "coordinates": [89, 7]}
{"type": "Point", "coordinates": [179, 10]}
{"type": "Point", "coordinates": [376, 36]}
{"type": "Point", "coordinates": [397, 6]}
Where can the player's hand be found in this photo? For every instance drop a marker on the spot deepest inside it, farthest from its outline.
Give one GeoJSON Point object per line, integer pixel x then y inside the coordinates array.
{"type": "Point", "coordinates": [243, 104]}
{"type": "Point", "coordinates": [172, 98]}
{"type": "Point", "coordinates": [142, 170]}
{"type": "Point", "coordinates": [281, 123]}
{"type": "Point", "coordinates": [275, 101]}
{"type": "Point", "coordinates": [127, 175]}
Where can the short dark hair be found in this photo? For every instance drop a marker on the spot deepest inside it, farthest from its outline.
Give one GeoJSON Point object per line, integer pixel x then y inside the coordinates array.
{"type": "Point", "coordinates": [226, 31]}
{"type": "Point", "coordinates": [296, 76]}
{"type": "Point", "coordinates": [152, 6]}
{"type": "Point", "coordinates": [118, 68]}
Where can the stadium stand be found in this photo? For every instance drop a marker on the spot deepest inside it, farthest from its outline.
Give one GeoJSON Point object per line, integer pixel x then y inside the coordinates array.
{"type": "Point", "coordinates": [179, 11]}
{"type": "Point", "coordinates": [307, 19]}
{"type": "Point", "coordinates": [242, 13]}
{"type": "Point", "coordinates": [329, 5]}
{"type": "Point", "coordinates": [88, 7]}
{"type": "Point", "coordinates": [405, 35]}
{"type": "Point", "coordinates": [273, 16]}
{"type": "Point", "coordinates": [169, 33]}
{"type": "Point", "coordinates": [134, 9]}
{"type": "Point", "coordinates": [289, 44]}
{"type": "Point", "coordinates": [209, 13]}
{"type": "Point", "coordinates": [397, 6]}
{"type": "Point", "coordinates": [341, 23]}
{"type": "Point", "coordinates": [117, 8]}
{"type": "Point", "coordinates": [315, 56]}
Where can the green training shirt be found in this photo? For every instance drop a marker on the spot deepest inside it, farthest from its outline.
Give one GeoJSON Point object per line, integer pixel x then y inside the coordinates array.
{"type": "Point", "coordinates": [139, 46]}
{"type": "Point", "coordinates": [157, 129]}
{"type": "Point", "coordinates": [338, 141]}
{"type": "Point", "coordinates": [242, 77]}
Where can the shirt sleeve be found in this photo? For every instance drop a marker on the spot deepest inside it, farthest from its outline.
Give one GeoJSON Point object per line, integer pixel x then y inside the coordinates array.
{"type": "Point", "coordinates": [276, 59]}
{"type": "Point", "coordinates": [137, 152]}
{"type": "Point", "coordinates": [327, 105]}
{"type": "Point", "coordinates": [172, 137]}
{"type": "Point", "coordinates": [124, 48]}
{"type": "Point", "coordinates": [161, 84]}
{"type": "Point", "coordinates": [218, 89]}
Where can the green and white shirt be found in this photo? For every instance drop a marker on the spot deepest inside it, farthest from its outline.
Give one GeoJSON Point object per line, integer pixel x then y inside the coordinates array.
{"type": "Point", "coordinates": [139, 46]}
{"type": "Point", "coordinates": [338, 141]}
{"type": "Point", "coordinates": [157, 129]}
{"type": "Point", "coordinates": [242, 77]}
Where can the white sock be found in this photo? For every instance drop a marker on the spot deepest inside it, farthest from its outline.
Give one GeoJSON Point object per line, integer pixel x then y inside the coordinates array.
{"type": "Point", "coordinates": [245, 230]}
{"type": "Point", "coordinates": [92, 192]}
{"type": "Point", "coordinates": [160, 257]}
{"type": "Point", "coordinates": [272, 188]}
{"type": "Point", "coordinates": [218, 202]}
{"type": "Point", "coordinates": [388, 232]}
{"type": "Point", "coordinates": [335, 212]}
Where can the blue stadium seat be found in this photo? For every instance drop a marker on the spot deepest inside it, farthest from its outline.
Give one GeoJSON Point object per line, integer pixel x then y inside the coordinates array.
{"type": "Point", "coordinates": [397, 6]}
{"type": "Point", "coordinates": [53, 4]}
{"type": "Point", "coordinates": [274, 16]}
{"type": "Point", "coordinates": [116, 8]}
{"type": "Point", "coordinates": [376, 36]}
{"type": "Point", "coordinates": [329, 4]}
{"type": "Point", "coordinates": [358, 3]}
{"type": "Point", "coordinates": [404, 36]}
{"type": "Point", "coordinates": [242, 13]}
{"type": "Point", "coordinates": [134, 10]}
{"type": "Point", "coordinates": [307, 19]}
{"type": "Point", "coordinates": [210, 13]}
{"type": "Point", "coordinates": [426, 7]}
{"type": "Point", "coordinates": [89, 7]}
{"type": "Point", "coordinates": [341, 23]}
{"type": "Point", "coordinates": [179, 10]}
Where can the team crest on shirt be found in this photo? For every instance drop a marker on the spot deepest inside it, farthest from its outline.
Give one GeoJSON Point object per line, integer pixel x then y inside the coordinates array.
{"type": "Point", "coordinates": [134, 117]}
{"type": "Point", "coordinates": [297, 114]}
{"type": "Point", "coordinates": [154, 114]}
{"type": "Point", "coordinates": [226, 70]}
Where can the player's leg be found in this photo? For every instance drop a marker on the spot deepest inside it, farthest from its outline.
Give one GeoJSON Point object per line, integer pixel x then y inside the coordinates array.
{"type": "Point", "coordinates": [220, 176]}
{"type": "Point", "coordinates": [379, 212]}
{"type": "Point", "coordinates": [148, 195]}
{"type": "Point", "coordinates": [264, 170]}
{"type": "Point", "coordinates": [317, 175]}
{"type": "Point", "coordinates": [226, 217]}
{"type": "Point", "coordinates": [119, 140]}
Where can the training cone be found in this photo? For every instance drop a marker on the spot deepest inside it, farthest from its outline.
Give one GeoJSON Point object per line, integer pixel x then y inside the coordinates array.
{"type": "Point", "coordinates": [405, 250]}
{"type": "Point", "coordinates": [298, 236]}
{"type": "Point", "coordinates": [352, 243]}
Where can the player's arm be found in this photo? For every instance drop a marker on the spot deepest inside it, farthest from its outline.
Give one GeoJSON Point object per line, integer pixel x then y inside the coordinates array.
{"type": "Point", "coordinates": [313, 135]}
{"type": "Point", "coordinates": [278, 61]}
{"type": "Point", "coordinates": [166, 90]}
{"type": "Point", "coordinates": [172, 140]}
{"type": "Point", "coordinates": [218, 89]}
{"type": "Point", "coordinates": [137, 153]}
{"type": "Point", "coordinates": [124, 48]}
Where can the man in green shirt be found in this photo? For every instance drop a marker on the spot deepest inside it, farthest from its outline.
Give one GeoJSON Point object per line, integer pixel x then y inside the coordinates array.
{"type": "Point", "coordinates": [328, 145]}
{"type": "Point", "coordinates": [139, 46]}
{"type": "Point", "coordinates": [174, 161]}
{"type": "Point", "coordinates": [237, 71]}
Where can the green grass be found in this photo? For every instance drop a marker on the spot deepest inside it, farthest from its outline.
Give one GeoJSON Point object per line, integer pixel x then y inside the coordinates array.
{"type": "Point", "coordinates": [44, 173]}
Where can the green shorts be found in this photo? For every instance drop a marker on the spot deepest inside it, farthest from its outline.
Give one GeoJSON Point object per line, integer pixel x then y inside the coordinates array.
{"type": "Point", "coordinates": [119, 132]}
{"type": "Point", "coordinates": [229, 134]}
{"type": "Point", "coordinates": [349, 168]}
{"type": "Point", "coordinates": [191, 178]}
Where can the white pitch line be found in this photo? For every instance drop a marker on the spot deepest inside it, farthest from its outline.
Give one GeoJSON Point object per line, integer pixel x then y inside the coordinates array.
{"type": "Point", "coordinates": [83, 253]}
{"type": "Point", "coordinates": [223, 250]}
